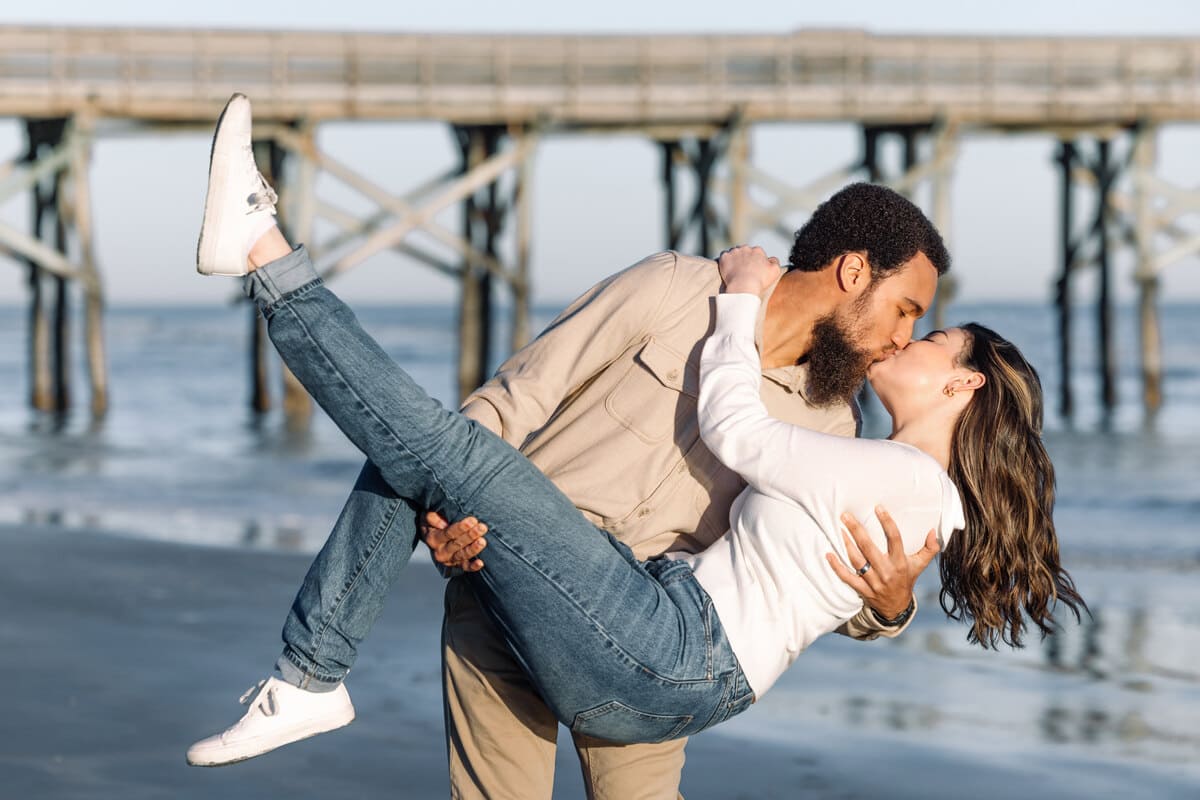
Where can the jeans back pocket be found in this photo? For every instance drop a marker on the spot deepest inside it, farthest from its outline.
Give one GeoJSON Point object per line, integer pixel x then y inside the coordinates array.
{"type": "Point", "coordinates": [618, 722]}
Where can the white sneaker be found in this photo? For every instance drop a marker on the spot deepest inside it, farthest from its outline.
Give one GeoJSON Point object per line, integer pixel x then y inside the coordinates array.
{"type": "Point", "coordinates": [240, 206]}
{"type": "Point", "coordinates": [279, 714]}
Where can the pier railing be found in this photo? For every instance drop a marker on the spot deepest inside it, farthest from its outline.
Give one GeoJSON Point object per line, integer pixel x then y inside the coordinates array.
{"type": "Point", "coordinates": [809, 75]}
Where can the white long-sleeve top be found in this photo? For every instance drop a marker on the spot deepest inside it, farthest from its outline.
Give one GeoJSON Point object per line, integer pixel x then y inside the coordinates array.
{"type": "Point", "coordinates": [768, 578]}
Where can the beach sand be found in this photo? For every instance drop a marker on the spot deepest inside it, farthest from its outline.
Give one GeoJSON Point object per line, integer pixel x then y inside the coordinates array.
{"type": "Point", "coordinates": [118, 653]}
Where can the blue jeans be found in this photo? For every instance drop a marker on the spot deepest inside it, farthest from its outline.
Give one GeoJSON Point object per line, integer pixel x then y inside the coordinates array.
{"type": "Point", "coordinates": [619, 649]}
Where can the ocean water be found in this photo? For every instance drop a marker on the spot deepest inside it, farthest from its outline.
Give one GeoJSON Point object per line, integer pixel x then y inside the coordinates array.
{"type": "Point", "coordinates": [181, 457]}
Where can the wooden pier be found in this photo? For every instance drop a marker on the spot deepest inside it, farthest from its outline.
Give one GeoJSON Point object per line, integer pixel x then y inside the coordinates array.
{"type": "Point", "coordinates": [697, 96]}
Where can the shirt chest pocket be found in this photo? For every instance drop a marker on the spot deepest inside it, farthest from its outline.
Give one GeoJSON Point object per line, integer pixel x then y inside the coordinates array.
{"type": "Point", "coordinates": [655, 399]}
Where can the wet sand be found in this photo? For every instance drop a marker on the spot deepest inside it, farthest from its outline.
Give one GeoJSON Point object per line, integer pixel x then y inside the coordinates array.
{"type": "Point", "coordinates": [117, 653]}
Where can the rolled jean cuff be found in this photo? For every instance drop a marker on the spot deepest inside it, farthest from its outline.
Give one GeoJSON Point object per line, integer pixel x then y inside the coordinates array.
{"type": "Point", "coordinates": [301, 678]}
{"type": "Point", "coordinates": [268, 284]}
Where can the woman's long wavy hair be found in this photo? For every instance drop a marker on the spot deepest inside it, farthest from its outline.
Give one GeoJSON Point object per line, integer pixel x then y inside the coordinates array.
{"type": "Point", "coordinates": [1004, 566]}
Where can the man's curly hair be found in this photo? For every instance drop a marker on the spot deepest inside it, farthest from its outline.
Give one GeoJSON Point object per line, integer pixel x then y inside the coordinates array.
{"type": "Point", "coordinates": [873, 219]}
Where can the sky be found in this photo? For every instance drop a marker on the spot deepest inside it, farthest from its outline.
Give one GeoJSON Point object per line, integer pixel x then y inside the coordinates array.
{"type": "Point", "coordinates": [597, 200]}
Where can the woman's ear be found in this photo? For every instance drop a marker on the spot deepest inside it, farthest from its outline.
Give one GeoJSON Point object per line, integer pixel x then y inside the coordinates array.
{"type": "Point", "coordinates": [964, 382]}
{"type": "Point", "coordinates": [853, 273]}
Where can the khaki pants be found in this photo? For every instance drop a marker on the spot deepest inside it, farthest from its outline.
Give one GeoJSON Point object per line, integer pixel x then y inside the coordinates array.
{"type": "Point", "coordinates": [501, 736]}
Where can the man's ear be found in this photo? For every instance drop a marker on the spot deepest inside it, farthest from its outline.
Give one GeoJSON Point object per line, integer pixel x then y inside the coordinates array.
{"type": "Point", "coordinates": [853, 273]}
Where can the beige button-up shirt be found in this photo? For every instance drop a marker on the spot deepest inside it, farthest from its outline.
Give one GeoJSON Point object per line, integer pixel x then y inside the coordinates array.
{"type": "Point", "coordinates": [604, 403]}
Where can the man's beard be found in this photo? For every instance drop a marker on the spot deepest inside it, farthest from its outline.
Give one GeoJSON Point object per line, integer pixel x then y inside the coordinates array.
{"type": "Point", "coordinates": [836, 366]}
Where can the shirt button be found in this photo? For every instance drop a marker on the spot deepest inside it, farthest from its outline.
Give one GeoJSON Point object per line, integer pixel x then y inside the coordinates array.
{"type": "Point", "coordinates": [673, 375]}
{"type": "Point", "coordinates": [644, 512]}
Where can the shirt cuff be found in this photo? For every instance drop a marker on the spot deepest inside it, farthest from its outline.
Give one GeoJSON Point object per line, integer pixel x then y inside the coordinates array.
{"type": "Point", "coordinates": [737, 315]}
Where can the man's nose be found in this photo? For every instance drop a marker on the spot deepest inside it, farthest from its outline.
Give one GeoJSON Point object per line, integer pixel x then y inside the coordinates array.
{"type": "Point", "coordinates": [902, 335]}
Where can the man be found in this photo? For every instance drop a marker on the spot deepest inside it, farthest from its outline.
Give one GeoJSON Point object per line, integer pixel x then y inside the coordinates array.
{"type": "Point", "coordinates": [604, 403]}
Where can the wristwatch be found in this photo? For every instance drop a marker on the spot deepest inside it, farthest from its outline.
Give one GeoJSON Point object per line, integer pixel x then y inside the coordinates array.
{"type": "Point", "coordinates": [899, 619]}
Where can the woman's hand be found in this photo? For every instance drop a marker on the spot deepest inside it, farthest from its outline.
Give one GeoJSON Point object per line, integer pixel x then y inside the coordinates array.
{"type": "Point", "coordinates": [747, 270]}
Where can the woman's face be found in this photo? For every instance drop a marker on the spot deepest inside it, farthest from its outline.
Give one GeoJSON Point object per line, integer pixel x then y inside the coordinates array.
{"type": "Point", "coordinates": [922, 371]}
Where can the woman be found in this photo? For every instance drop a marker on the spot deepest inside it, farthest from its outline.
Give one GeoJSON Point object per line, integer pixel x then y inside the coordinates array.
{"type": "Point", "coordinates": [632, 651]}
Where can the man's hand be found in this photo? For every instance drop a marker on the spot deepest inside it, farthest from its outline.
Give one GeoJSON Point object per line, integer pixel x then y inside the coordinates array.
{"type": "Point", "coordinates": [887, 586]}
{"type": "Point", "coordinates": [454, 545]}
{"type": "Point", "coordinates": [747, 270]}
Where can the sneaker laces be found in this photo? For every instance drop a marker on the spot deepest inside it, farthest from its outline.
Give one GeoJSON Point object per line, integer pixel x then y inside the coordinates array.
{"type": "Point", "coordinates": [263, 198]}
{"type": "Point", "coordinates": [268, 707]}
